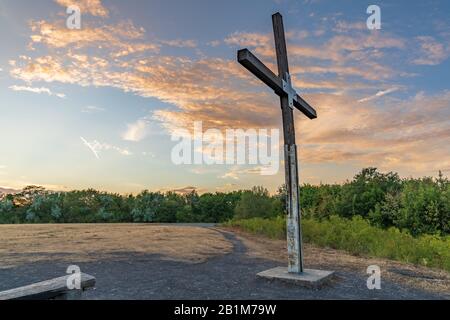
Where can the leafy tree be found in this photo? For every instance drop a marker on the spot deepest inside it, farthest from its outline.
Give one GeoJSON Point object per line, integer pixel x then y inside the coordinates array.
{"type": "Point", "coordinates": [145, 206]}
{"type": "Point", "coordinates": [7, 211]}
{"type": "Point", "coordinates": [255, 203]}
{"type": "Point", "coordinates": [184, 214]}
{"type": "Point", "coordinates": [419, 206]}
{"type": "Point", "coordinates": [56, 213]}
{"type": "Point", "coordinates": [424, 207]}
{"type": "Point", "coordinates": [368, 188]}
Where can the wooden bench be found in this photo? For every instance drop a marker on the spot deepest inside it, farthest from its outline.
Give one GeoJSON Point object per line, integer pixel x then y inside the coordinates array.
{"type": "Point", "coordinates": [50, 289]}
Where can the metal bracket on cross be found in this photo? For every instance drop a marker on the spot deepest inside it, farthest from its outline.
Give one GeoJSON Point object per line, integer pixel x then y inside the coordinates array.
{"type": "Point", "coordinates": [289, 90]}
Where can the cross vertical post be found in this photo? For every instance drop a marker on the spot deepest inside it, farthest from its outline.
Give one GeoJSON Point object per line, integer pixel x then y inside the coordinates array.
{"type": "Point", "coordinates": [289, 99]}
{"type": "Point", "coordinates": [293, 225]}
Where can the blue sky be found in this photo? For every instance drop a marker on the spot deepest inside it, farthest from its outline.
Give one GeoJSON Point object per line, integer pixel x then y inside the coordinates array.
{"type": "Point", "coordinates": [138, 70]}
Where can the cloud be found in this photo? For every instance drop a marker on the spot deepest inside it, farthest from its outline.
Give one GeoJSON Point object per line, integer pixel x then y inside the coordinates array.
{"type": "Point", "coordinates": [249, 39]}
{"type": "Point", "coordinates": [236, 172]}
{"type": "Point", "coordinates": [185, 190]}
{"type": "Point", "coordinates": [210, 89]}
{"type": "Point", "coordinates": [338, 48]}
{"type": "Point", "coordinates": [180, 43]}
{"type": "Point", "coordinates": [53, 69]}
{"type": "Point", "coordinates": [92, 109]}
{"type": "Point", "coordinates": [378, 94]}
{"type": "Point", "coordinates": [214, 43]}
{"type": "Point", "coordinates": [121, 39]}
{"type": "Point", "coordinates": [157, 76]}
{"type": "Point", "coordinates": [228, 187]}
{"type": "Point", "coordinates": [431, 52]}
{"type": "Point", "coordinates": [96, 147]}
{"type": "Point", "coordinates": [372, 71]}
{"type": "Point", "coordinates": [136, 131]}
{"type": "Point", "coordinates": [93, 7]}
{"type": "Point", "coordinates": [350, 54]}
{"type": "Point", "coordinates": [232, 174]}
{"type": "Point", "coordinates": [345, 26]}
{"type": "Point", "coordinates": [37, 90]}
{"type": "Point", "coordinates": [18, 184]}
{"type": "Point", "coordinates": [410, 134]}
{"type": "Point", "coordinates": [91, 147]}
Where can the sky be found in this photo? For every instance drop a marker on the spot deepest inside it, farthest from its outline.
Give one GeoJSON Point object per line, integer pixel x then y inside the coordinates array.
{"type": "Point", "coordinates": [96, 107]}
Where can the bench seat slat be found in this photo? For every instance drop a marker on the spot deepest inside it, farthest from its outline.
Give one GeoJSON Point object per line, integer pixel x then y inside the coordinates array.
{"type": "Point", "coordinates": [46, 289]}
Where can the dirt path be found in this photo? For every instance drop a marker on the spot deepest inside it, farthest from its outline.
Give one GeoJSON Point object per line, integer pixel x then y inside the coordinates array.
{"type": "Point", "coordinates": [131, 275]}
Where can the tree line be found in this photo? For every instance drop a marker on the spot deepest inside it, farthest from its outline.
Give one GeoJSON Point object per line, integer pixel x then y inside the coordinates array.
{"type": "Point", "coordinates": [420, 206]}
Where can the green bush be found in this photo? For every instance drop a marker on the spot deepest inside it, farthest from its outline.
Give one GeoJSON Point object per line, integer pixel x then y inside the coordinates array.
{"type": "Point", "coordinates": [256, 203]}
{"type": "Point", "coordinates": [274, 228]}
{"type": "Point", "coordinates": [358, 237]}
{"type": "Point", "coordinates": [419, 206]}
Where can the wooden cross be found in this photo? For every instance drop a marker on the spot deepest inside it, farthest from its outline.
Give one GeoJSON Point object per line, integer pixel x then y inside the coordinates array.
{"type": "Point", "coordinates": [289, 99]}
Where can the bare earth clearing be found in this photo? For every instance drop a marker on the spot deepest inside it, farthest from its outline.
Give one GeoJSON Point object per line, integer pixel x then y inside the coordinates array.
{"type": "Point", "coordinates": [143, 261]}
{"type": "Point", "coordinates": [21, 244]}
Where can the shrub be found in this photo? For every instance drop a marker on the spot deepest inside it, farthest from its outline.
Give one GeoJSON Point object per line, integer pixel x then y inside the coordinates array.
{"type": "Point", "coordinates": [358, 237]}
{"type": "Point", "coordinates": [255, 203]}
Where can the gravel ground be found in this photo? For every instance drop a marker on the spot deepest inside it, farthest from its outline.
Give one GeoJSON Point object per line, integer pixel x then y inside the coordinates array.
{"type": "Point", "coordinates": [231, 276]}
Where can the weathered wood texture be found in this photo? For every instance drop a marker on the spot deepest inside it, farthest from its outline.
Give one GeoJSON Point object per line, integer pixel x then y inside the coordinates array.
{"type": "Point", "coordinates": [50, 289]}
{"type": "Point", "coordinates": [281, 85]}
{"type": "Point", "coordinates": [294, 240]}
{"type": "Point", "coordinates": [255, 66]}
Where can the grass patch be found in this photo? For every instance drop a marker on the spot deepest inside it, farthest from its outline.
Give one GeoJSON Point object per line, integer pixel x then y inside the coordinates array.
{"type": "Point", "coordinates": [358, 237]}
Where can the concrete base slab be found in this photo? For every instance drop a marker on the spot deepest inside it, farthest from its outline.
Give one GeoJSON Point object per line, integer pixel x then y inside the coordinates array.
{"type": "Point", "coordinates": [308, 278]}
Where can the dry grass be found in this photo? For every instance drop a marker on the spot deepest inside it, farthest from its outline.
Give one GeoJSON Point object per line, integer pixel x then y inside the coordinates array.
{"type": "Point", "coordinates": [315, 257]}
{"type": "Point", "coordinates": [20, 244]}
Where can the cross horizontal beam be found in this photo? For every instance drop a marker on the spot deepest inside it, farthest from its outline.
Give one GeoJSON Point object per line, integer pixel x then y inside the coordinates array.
{"type": "Point", "coordinates": [255, 66]}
